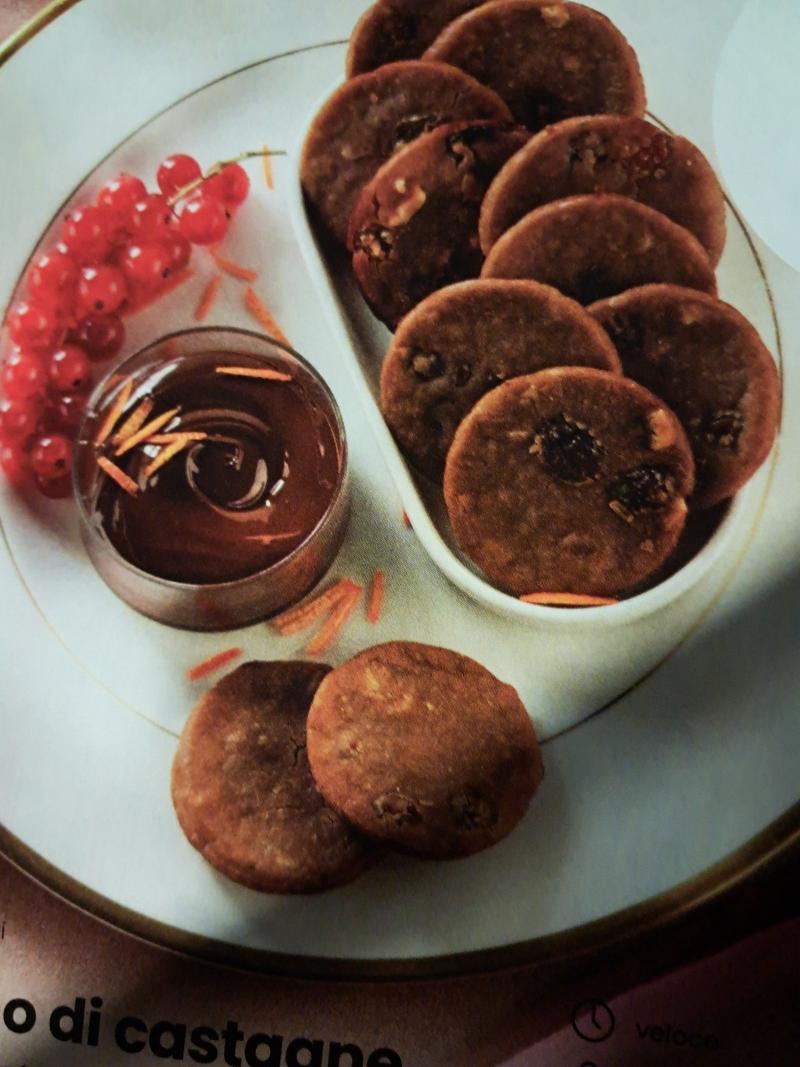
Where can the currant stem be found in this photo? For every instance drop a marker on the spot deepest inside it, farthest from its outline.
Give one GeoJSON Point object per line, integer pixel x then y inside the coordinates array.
{"type": "Point", "coordinates": [215, 168]}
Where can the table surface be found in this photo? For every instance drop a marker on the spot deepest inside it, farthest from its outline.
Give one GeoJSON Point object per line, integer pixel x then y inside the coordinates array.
{"type": "Point", "coordinates": [13, 13]}
{"type": "Point", "coordinates": [510, 1012]}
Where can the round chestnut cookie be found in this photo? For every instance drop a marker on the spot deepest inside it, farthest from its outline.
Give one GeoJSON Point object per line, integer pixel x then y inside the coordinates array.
{"type": "Point", "coordinates": [415, 226]}
{"type": "Point", "coordinates": [547, 60]}
{"type": "Point", "coordinates": [591, 247]}
{"type": "Point", "coordinates": [463, 341]}
{"type": "Point", "coordinates": [609, 154]}
{"type": "Point", "coordinates": [243, 792]}
{"type": "Point", "coordinates": [571, 480]}
{"type": "Point", "coordinates": [370, 117]}
{"type": "Point", "coordinates": [399, 29]}
{"type": "Point", "coordinates": [705, 360]}
{"type": "Point", "coordinates": [423, 749]}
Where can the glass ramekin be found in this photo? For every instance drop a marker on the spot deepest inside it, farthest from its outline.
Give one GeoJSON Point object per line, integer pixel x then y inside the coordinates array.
{"type": "Point", "coordinates": [223, 605]}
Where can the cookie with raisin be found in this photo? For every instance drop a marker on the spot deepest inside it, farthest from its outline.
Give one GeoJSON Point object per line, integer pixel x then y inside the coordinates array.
{"type": "Point", "coordinates": [705, 360]}
{"type": "Point", "coordinates": [369, 118]}
{"type": "Point", "coordinates": [595, 246]}
{"type": "Point", "coordinates": [571, 480]}
{"type": "Point", "coordinates": [391, 30]}
{"type": "Point", "coordinates": [548, 61]}
{"type": "Point", "coordinates": [423, 749]}
{"type": "Point", "coordinates": [243, 792]}
{"type": "Point", "coordinates": [620, 154]}
{"type": "Point", "coordinates": [415, 227]}
{"type": "Point", "coordinates": [463, 341]}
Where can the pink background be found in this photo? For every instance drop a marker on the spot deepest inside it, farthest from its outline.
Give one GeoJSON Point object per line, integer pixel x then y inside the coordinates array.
{"type": "Point", "coordinates": [743, 997]}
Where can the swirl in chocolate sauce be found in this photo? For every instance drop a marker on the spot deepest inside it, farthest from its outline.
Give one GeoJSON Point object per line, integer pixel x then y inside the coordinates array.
{"type": "Point", "coordinates": [239, 500]}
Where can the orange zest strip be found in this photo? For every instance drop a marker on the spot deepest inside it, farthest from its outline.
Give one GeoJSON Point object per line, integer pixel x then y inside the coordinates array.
{"type": "Point", "coordinates": [267, 539]}
{"type": "Point", "coordinates": [235, 269]}
{"type": "Point", "coordinates": [254, 305]}
{"type": "Point", "coordinates": [114, 412]}
{"type": "Point", "coordinates": [213, 663]}
{"type": "Point", "coordinates": [376, 597]}
{"type": "Point", "coordinates": [334, 624]}
{"type": "Point", "coordinates": [148, 428]}
{"type": "Point", "coordinates": [266, 162]}
{"type": "Point", "coordinates": [134, 421]}
{"type": "Point", "coordinates": [254, 372]}
{"type": "Point", "coordinates": [568, 600]}
{"type": "Point", "coordinates": [164, 457]}
{"type": "Point", "coordinates": [298, 618]}
{"type": "Point", "coordinates": [406, 520]}
{"type": "Point", "coordinates": [179, 435]}
{"type": "Point", "coordinates": [173, 283]}
{"type": "Point", "coordinates": [117, 475]}
{"type": "Point", "coordinates": [207, 299]}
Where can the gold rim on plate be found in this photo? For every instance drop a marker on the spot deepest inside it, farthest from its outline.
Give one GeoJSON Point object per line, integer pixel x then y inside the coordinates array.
{"type": "Point", "coordinates": [29, 29]}
{"type": "Point", "coordinates": [554, 952]}
{"type": "Point", "coordinates": [589, 940]}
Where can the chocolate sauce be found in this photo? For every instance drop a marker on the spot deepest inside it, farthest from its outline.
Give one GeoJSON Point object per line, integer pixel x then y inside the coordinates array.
{"type": "Point", "coordinates": [239, 500]}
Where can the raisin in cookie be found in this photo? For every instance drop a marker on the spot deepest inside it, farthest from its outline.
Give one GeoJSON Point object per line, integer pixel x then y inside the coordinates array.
{"type": "Point", "coordinates": [705, 360]}
{"type": "Point", "coordinates": [609, 154]}
{"type": "Point", "coordinates": [423, 749]}
{"type": "Point", "coordinates": [243, 792]}
{"type": "Point", "coordinates": [370, 117]}
{"type": "Point", "coordinates": [570, 480]}
{"type": "Point", "coordinates": [399, 29]}
{"type": "Point", "coordinates": [591, 247]}
{"type": "Point", "coordinates": [547, 60]}
{"type": "Point", "coordinates": [463, 341]}
{"type": "Point", "coordinates": [415, 226]}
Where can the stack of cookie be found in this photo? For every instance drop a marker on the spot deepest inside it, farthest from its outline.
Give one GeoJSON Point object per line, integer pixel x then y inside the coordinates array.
{"type": "Point", "coordinates": [546, 257]}
{"type": "Point", "coordinates": [293, 778]}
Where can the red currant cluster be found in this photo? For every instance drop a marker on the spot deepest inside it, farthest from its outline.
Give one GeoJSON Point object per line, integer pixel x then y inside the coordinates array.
{"type": "Point", "coordinates": [111, 258]}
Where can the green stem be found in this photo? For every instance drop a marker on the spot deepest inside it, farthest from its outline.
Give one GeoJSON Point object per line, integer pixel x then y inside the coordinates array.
{"type": "Point", "coordinates": [215, 168]}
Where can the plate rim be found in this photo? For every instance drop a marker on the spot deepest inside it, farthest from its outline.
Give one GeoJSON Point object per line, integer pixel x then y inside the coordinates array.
{"type": "Point", "coordinates": [592, 940]}
{"type": "Point", "coordinates": [552, 953]}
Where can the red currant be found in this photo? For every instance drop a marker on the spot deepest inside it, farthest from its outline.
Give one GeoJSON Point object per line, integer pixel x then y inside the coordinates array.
{"type": "Point", "coordinates": [54, 277]}
{"type": "Point", "coordinates": [23, 376]}
{"type": "Point", "coordinates": [214, 189]}
{"type": "Point", "coordinates": [19, 419]}
{"type": "Point", "coordinates": [231, 185]}
{"type": "Point", "coordinates": [101, 336]}
{"type": "Point", "coordinates": [176, 172]}
{"type": "Point", "coordinates": [118, 197]}
{"type": "Point", "coordinates": [101, 289]}
{"type": "Point", "coordinates": [69, 370]}
{"type": "Point", "coordinates": [35, 326]}
{"type": "Point", "coordinates": [145, 265]}
{"type": "Point", "coordinates": [203, 220]}
{"type": "Point", "coordinates": [178, 251]}
{"type": "Point", "coordinates": [55, 488]}
{"type": "Point", "coordinates": [15, 463]}
{"type": "Point", "coordinates": [152, 217]}
{"type": "Point", "coordinates": [64, 413]}
{"type": "Point", "coordinates": [87, 234]}
{"type": "Point", "coordinates": [50, 456]}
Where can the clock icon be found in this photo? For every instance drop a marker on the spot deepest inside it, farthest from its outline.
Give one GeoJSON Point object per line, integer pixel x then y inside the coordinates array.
{"type": "Point", "coordinates": [593, 1020]}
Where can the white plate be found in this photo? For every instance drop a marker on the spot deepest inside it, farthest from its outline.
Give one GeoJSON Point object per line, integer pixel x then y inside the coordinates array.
{"type": "Point", "coordinates": [684, 769]}
{"type": "Point", "coordinates": [608, 641]}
